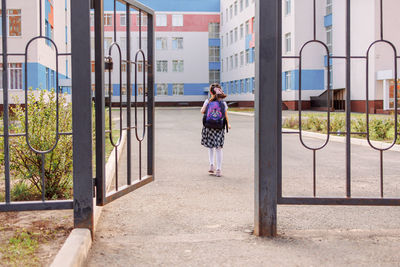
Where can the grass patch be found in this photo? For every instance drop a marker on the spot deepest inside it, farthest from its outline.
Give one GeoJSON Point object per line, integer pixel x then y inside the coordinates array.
{"type": "Point", "coordinates": [20, 249]}
{"type": "Point", "coordinates": [381, 127]}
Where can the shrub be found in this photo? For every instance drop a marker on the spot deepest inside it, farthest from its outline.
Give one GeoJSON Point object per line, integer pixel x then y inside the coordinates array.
{"type": "Point", "coordinates": [338, 123]}
{"type": "Point", "coordinates": [291, 123]}
{"type": "Point", "coordinates": [380, 128]}
{"type": "Point", "coordinates": [25, 164]}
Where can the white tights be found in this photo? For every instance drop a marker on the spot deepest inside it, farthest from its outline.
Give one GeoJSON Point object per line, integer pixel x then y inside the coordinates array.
{"type": "Point", "coordinates": [218, 157]}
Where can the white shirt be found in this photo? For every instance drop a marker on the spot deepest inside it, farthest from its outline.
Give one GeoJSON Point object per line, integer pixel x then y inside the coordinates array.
{"type": "Point", "coordinates": [203, 109]}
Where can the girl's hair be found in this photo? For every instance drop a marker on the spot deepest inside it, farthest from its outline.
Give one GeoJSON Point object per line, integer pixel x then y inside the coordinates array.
{"type": "Point", "coordinates": [213, 91]}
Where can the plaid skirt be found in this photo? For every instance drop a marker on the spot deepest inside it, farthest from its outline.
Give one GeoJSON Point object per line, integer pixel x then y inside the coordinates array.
{"type": "Point", "coordinates": [212, 138]}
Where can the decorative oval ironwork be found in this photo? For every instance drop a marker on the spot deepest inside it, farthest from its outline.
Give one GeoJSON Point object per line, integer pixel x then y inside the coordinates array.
{"type": "Point", "coordinates": [140, 51]}
{"type": "Point", "coordinates": [395, 95]}
{"type": "Point", "coordinates": [114, 44]}
{"type": "Point", "coordinates": [328, 95]}
{"type": "Point", "coordinates": [26, 96]}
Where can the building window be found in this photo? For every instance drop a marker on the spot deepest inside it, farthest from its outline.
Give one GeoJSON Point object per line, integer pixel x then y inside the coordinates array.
{"type": "Point", "coordinates": [231, 11]}
{"type": "Point", "coordinates": [241, 58]}
{"type": "Point", "coordinates": [242, 86]}
{"type": "Point", "coordinates": [241, 5]}
{"type": "Point", "coordinates": [123, 66]}
{"type": "Point", "coordinates": [177, 89]}
{"type": "Point", "coordinates": [93, 66]}
{"type": "Point", "coordinates": [213, 30]}
{"type": "Point", "coordinates": [236, 34]}
{"type": "Point", "coordinates": [14, 22]}
{"type": "Point", "coordinates": [227, 39]}
{"type": "Point", "coordinates": [140, 66]}
{"type": "Point", "coordinates": [328, 7]}
{"type": "Point", "coordinates": [236, 7]}
{"type": "Point", "coordinates": [52, 80]}
{"type": "Point", "coordinates": [236, 60]}
{"type": "Point", "coordinates": [247, 28]}
{"type": "Point", "coordinates": [177, 20]}
{"type": "Point", "coordinates": [162, 89]}
{"type": "Point", "coordinates": [107, 20]}
{"type": "Point", "coordinates": [288, 6]}
{"type": "Point", "coordinates": [288, 80]}
{"type": "Point", "coordinates": [231, 62]}
{"type": "Point", "coordinates": [47, 78]}
{"type": "Point", "coordinates": [329, 38]}
{"type": "Point", "coordinates": [122, 20]}
{"type": "Point", "coordinates": [222, 18]}
{"type": "Point", "coordinates": [161, 20]}
{"type": "Point", "coordinates": [162, 66]}
{"type": "Point", "coordinates": [241, 31]}
{"type": "Point", "coordinates": [214, 76]}
{"type": "Point", "coordinates": [226, 14]}
{"type": "Point", "coordinates": [139, 89]}
{"type": "Point", "coordinates": [247, 56]}
{"type": "Point", "coordinates": [177, 43]}
{"type": "Point", "coordinates": [231, 36]}
{"type": "Point", "coordinates": [247, 3]}
{"type": "Point", "coordinates": [177, 65]}
{"type": "Point", "coordinates": [254, 85]}
{"type": "Point", "coordinates": [214, 53]}
{"type": "Point", "coordinates": [15, 76]}
{"type": "Point", "coordinates": [288, 42]}
{"type": "Point", "coordinates": [91, 20]}
{"type": "Point", "coordinates": [222, 65]}
{"type": "Point", "coordinates": [161, 43]}
{"type": "Point", "coordinates": [227, 63]}
{"type": "Point", "coordinates": [222, 41]}
{"type": "Point", "coordinates": [143, 19]}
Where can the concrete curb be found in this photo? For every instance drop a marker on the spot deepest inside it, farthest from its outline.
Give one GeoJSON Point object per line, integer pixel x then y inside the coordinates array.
{"type": "Point", "coordinates": [339, 139]}
{"type": "Point", "coordinates": [75, 250]}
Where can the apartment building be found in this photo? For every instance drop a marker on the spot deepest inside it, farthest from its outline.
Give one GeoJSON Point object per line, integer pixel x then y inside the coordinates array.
{"type": "Point", "coordinates": [23, 25]}
{"type": "Point", "coordinates": [238, 49]}
{"type": "Point", "coordinates": [187, 49]}
{"type": "Point", "coordinates": [237, 52]}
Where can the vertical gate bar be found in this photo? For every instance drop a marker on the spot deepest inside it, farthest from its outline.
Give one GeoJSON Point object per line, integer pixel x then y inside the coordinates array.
{"type": "Point", "coordinates": [5, 101]}
{"type": "Point", "coordinates": [150, 95]}
{"type": "Point", "coordinates": [129, 92]}
{"type": "Point", "coordinates": [314, 21]}
{"type": "Point", "coordinates": [314, 173]}
{"type": "Point", "coordinates": [81, 114]}
{"type": "Point", "coordinates": [267, 115]}
{"type": "Point", "coordinates": [381, 165]}
{"type": "Point", "coordinates": [43, 178]}
{"type": "Point", "coordinates": [348, 101]}
{"type": "Point", "coordinates": [381, 19]}
{"type": "Point", "coordinates": [99, 102]}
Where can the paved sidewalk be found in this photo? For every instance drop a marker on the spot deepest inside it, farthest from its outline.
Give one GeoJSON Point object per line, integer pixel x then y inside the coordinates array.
{"type": "Point", "coordinates": [188, 218]}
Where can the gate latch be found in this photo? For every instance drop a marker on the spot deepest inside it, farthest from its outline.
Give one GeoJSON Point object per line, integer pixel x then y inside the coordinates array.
{"type": "Point", "coordinates": [108, 65]}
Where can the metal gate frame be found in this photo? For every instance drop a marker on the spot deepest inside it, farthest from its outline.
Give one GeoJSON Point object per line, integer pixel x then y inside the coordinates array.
{"type": "Point", "coordinates": [102, 196]}
{"type": "Point", "coordinates": [82, 202]}
{"type": "Point", "coordinates": [268, 119]}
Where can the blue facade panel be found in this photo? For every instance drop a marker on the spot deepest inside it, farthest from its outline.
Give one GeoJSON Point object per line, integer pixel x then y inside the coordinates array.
{"type": "Point", "coordinates": [326, 61]}
{"type": "Point", "coordinates": [172, 5]}
{"type": "Point", "coordinates": [214, 65]}
{"type": "Point", "coordinates": [214, 42]}
{"type": "Point", "coordinates": [310, 80]}
{"type": "Point", "coordinates": [194, 88]}
{"type": "Point", "coordinates": [328, 20]}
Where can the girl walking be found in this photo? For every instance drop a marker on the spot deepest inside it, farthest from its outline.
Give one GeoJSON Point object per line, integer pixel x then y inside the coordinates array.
{"type": "Point", "coordinates": [215, 120]}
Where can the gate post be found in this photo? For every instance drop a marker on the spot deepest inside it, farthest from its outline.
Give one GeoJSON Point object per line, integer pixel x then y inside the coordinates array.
{"type": "Point", "coordinates": [81, 114]}
{"type": "Point", "coordinates": [267, 115]}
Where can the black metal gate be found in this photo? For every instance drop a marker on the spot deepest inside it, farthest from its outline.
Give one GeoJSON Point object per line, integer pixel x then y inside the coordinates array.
{"type": "Point", "coordinates": [79, 17]}
{"type": "Point", "coordinates": [138, 69]}
{"type": "Point", "coordinates": [269, 121]}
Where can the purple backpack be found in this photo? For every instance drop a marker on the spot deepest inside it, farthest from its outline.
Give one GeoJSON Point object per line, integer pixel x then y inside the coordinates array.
{"type": "Point", "coordinates": [214, 116]}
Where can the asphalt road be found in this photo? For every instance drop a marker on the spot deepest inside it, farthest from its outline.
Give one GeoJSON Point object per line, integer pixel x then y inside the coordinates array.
{"type": "Point", "coordinates": [189, 218]}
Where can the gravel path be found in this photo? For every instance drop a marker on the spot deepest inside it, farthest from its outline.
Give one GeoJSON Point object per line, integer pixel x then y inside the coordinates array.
{"type": "Point", "coordinates": [188, 218]}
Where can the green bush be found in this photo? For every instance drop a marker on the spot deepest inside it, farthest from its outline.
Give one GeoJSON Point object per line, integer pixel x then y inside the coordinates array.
{"type": "Point", "coordinates": [291, 123]}
{"type": "Point", "coordinates": [21, 191]}
{"type": "Point", "coordinates": [380, 129]}
{"type": "Point", "coordinates": [338, 123]}
{"type": "Point", "coordinates": [25, 164]}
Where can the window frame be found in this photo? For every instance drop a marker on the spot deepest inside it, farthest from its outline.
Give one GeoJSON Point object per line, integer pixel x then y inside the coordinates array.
{"type": "Point", "coordinates": [177, 18]}
{"type": "Point", "coordinates": [159, 20]}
